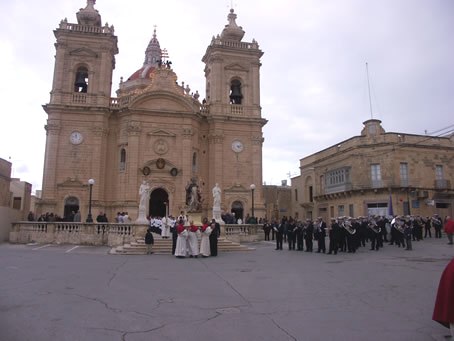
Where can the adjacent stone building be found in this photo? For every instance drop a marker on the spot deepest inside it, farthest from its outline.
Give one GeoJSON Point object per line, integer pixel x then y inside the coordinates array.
{"type": "Point", "coordinates": [156, 130]}
{"type": "Point", "coordinates": [278, 200]}
{"type": "Point", "coordinates": [377, 172]}
{"type": "Point", "coordinates": [15, 196]}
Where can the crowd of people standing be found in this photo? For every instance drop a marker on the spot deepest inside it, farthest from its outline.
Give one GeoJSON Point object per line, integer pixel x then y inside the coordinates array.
{"type": "Point", "coordinates": [186, 235]}
{"type": "Point", "coordinates": [347, 234]}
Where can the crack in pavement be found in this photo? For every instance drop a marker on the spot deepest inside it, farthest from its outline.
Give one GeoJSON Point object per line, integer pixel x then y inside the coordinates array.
{"type": "Point", "coordinates": [115, 272]}
{"type": "Point", "coordinates": [283, 329]}
{"type": "Point", "coordinates": [124, 333]}
{"type": "Point", "coordinates": [108, 307]}
{"type": "Point", "coordinates": [228, 283]}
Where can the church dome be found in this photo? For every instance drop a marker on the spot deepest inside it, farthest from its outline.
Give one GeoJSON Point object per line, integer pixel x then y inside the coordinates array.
{"type": "Point", "coordinates": [143, 72]}
{"type": "Point", "coordinates": [232, 31]}
{"type": "Point", "coordinates": [153, 55]}
{"type": "Point", "coordinates": [89, 15]}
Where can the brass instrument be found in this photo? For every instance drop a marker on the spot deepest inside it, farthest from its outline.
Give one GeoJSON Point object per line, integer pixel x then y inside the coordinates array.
{"type": "Point", "coordinates": [398, 224]}
{"type": "Point", "coordinates": [347, 225]}
{"type": "Point", "coordinates": [374, 227]}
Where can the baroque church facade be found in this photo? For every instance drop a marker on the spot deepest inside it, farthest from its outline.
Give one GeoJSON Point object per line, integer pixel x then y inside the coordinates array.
{"type": "Point", "coordinates": [154, 131]}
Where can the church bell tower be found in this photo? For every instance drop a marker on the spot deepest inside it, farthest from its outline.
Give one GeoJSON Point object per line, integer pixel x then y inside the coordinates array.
{"type": "Point", "coordinates": [78, 111]}
{"type": "Point", "coordinates": [232, 73]}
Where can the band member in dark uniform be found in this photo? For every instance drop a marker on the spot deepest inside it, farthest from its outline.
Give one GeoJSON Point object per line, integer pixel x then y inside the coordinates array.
{"type": "Point", "coordinates": [299, 236]}
{"type": "Point", "coordinates": [374, 234]}
{"type": "Point", "coordinates": [266, 230]}
{"type": "Point", "coordinates": [334, 234]}
{"type": "Point", "coordinates": [427, 227]}
{"type": "Point", "coordinates": [351, 238]}
{"type": "Point", "coordinates": [279, 233]}
{"type": "Point", "coordinates": [362, 231]}
{"type": "Point", "coordinates": [320, 232]}
{"type": "Point", "coordinates": [291, 234]}
{"type": "Point", "coordinates": [436, 223]}
{"type": "Point", "coordinates": [309, 235]}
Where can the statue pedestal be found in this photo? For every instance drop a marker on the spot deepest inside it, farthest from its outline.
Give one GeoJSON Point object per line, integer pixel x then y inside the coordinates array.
{"type": "Point", "coordinates": [217, 214]}
{"type": "Point", "coordinates": [142, 219]}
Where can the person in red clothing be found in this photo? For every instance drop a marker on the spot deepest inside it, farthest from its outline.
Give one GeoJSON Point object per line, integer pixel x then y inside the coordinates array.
{"type": "Point", "coordinates": [444, 303]}
{"type": "Point", "coordinates": [449, 228]}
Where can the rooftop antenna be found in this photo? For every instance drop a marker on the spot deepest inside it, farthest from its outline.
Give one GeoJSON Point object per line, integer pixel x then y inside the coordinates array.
{"type": "Point", "coordinates": [368, 86]}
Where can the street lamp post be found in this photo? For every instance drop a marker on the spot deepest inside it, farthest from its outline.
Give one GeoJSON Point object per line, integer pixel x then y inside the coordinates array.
{"type": "Point", "coordinates": [91, 182]}
{"type": "Point", "coordinates": [252, 187]}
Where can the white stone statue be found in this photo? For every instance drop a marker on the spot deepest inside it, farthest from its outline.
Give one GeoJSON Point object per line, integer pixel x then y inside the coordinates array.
{"type": "Point", "coordinates": [217, 203]}
{"type": "Point", "coordinates": [216, 196]}
{"type": "Point", "coordinates": [144, 193]}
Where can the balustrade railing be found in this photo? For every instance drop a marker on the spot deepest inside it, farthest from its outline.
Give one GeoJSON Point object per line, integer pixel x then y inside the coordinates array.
{"type": "Point", "coordinates": [111, 234]}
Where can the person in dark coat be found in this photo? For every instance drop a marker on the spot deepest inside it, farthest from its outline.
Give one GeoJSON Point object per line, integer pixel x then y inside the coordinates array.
{"type": "Point", "coordinates": [215, 233]}
{"type": "Point", "coordinates": [173, 230]}
{"type": "Point", "coordinates": [309, 235]}
{"type": "Point", "coordinates": [279, 233]}
{"type": "Point", "coordinates": [444, 309]}
{"type": "Point", "coordinates": [334, 236]}
{"type": "Point", "coordinates": [149, 241]}
{"type": "Point", "coordinates": [266, 230]}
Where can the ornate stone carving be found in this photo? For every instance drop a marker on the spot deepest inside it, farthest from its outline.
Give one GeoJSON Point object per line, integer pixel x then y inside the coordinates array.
{"type": "Point", "coordinates": [187, 132]}
{"type": "Point", "coordinates": [161, 147]}
{"type": "Point", "coordinates": [99, 131]}
{"type": "Point", "coordinates": [52, 128]}
{"type": "Point", "coordinates": [257, 140]}
{"type": "Point", "coordinates": [216, 138]}
{"type": "Point", "coordinates": [133, 128]}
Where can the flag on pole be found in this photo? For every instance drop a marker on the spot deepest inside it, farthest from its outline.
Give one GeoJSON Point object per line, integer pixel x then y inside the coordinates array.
{"type": "Point", "coordinates": [390, 206]}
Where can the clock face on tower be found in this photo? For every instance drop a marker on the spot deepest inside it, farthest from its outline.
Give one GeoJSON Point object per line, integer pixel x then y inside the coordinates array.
{"type": "Point", "coordinates": [237, 146]}
{"type": "Point", "coordinates": [76, 137]}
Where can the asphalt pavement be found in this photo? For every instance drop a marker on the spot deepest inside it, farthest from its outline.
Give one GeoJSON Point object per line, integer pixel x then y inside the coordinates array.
{"type": "Point", "coordinates": [70, 292]}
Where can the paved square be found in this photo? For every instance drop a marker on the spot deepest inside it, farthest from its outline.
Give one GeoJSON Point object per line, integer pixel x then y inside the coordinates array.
{"type": "Point", "coordinates": [65, 293]}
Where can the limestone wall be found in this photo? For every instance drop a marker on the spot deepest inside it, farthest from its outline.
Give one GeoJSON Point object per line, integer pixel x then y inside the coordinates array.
{"type": "Point", "coordinates": [7, 216]}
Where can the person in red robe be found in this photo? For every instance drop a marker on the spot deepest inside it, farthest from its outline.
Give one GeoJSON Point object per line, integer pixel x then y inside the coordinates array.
{"type": "Point", "coordinates": [444, 304]}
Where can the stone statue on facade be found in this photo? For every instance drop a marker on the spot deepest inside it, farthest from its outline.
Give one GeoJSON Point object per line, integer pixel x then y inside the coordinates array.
{"type": "Point", "coordinates": [217, 203]}
{"type": "Point", "coordinates": [144, 196]}
{"type": "Point", "coordinates": [193, 197]}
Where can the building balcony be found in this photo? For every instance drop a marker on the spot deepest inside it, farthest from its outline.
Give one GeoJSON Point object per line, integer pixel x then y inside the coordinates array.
{"type": "Point", "coordinates": [338, 188]}
{"type": "Point", "coordinates": [442, 184]}
{"type": "Point", "coordinates": [377, 183]}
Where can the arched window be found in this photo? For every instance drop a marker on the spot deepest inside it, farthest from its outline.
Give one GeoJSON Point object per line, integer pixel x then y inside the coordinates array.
{"type": "Point", "coordinates": [81, 80]}
{"type": "Point", "coordinates": [194, 162]}
{"type": "Point", "coordinates": [122, 159]}
{"type": "Point", "coordinates": [235, 92]}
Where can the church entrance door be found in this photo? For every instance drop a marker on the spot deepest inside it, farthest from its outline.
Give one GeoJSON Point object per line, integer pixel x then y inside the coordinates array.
{"type": "Point", "coordinates": [159, 198]}
{"type": "Point", "coordinates": [71, 208]}
{"type": "Point", "coordinates": [237, 208]}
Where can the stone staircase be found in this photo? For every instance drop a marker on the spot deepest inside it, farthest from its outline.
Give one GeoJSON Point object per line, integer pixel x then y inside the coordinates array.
{"type": "Point", "coordinates": [164, 247]}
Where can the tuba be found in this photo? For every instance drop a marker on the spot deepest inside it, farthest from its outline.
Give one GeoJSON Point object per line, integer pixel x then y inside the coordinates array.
{"type": "Point", "coordinates": [399, 225]}
{"type": "Point", "coordinates": [374, 227]}
{"type": "Point", "coordinates": [347, 225]}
